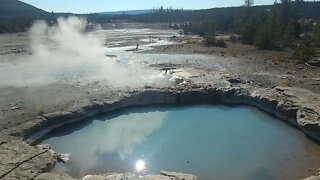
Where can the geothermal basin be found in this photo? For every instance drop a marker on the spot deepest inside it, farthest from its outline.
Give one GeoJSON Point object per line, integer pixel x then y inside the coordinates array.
{"type": "Point", "coordinates": [212, 142]}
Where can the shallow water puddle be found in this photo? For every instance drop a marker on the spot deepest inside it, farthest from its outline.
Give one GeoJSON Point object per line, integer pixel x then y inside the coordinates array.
{"type": "Point", "coordinates": [212, 142]}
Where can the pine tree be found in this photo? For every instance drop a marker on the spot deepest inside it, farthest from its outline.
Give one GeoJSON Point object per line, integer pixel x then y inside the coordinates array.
{"type": "Point", "coordinates": [316, 33]}
{"type": "Point", "coordinates": [248, 3]}
{"type": "Point", "coordinates": [269, 33]}
{"type": "Point", "coordinates": [289, 34]}
{"type": "Point", "coordinates": [247, 33]}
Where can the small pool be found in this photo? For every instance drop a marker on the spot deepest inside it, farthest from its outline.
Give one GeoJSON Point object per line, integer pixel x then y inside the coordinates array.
{"type": "Point", "coordinates": [212, 142]}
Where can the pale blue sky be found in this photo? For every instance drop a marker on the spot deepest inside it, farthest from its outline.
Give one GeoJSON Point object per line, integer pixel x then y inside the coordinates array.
{"type": "Point", "coordinates": [89, 6]}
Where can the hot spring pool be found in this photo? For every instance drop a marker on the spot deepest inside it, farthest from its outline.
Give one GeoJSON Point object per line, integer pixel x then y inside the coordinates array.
{"type": "Point", "coordinates": [212, 142]}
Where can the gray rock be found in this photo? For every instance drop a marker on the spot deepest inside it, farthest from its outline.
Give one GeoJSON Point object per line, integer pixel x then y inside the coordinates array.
{"type": "Point", "coordinates": [312, 178]}
{"type": "Point", "coordinates": [179, 176]}
{"type": "Point", "coordinates": [314, 61]}
{"type": "Point", "coordinates": [163, 176]}
{"type": "Point", "coordinates": [53, 176]}
{"type": "Point", "coordinates": [64, 158]}
{"type": "Point", "coordinates": [15, 108]}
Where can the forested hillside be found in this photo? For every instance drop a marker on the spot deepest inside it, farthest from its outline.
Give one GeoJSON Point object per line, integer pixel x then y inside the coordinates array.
{"type": "Point", "coordinates": [16, 16]}
{"type": "Point", "coordinates": [15, 8]}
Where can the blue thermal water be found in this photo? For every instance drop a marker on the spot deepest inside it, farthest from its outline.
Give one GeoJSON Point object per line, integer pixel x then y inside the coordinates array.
{"type": "Point", "coordinates": [212, 142]}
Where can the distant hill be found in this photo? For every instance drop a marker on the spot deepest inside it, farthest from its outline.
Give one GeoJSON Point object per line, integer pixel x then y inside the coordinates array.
{"type": "Point", "coordinates": [16, 9]}
{"type": "Point", "coordinates": [17, 16]}
{"type": "Point", "coordinates": [129, 12]}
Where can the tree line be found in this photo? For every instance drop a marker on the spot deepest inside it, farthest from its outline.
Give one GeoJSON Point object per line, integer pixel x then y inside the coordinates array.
{"type": "Point", "coordinates": [268, 27]}
{"type": "Point", "coordinates": [282, 25]}
{"type": "Point", "coordinates": [14, 24]}
{"type": "Point", "coordinates": [285, 24]}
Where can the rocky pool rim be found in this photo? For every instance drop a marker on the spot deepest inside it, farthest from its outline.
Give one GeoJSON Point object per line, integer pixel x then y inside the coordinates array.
{"type": "Point", "coordinates": [157, 107]}
{"type": "Point", "coordinates": [180, 99]}
{"type": "Point", "coordinates": [296, 106]}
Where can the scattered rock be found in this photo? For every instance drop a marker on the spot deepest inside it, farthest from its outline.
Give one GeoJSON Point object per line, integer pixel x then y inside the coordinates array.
{"type": "Point", "coordinates": [300, 66]}
{"type": "Point", "coordinates": [64, 158]}
{"type": "Point", "coordinates": [234, 80]}
{"type": "Point", "coordinates": [128, 176]}
{"type": "Point", "coordinates": [148, 87]}
{"type": "Point", "coordinates": [312, 178]}
{"type": "Point", "coordinates": [176, 79]}
{"type": "Point", "coordinates": [179, 176]}
{"type": "Point", "coordinates": [15, 108]}
{"type": "Point", "coordinates": [54, 176]}
{"type": "Point", "coordinates": [111, 56]}
{"type": "Point", "coordinates": [314, 61]}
